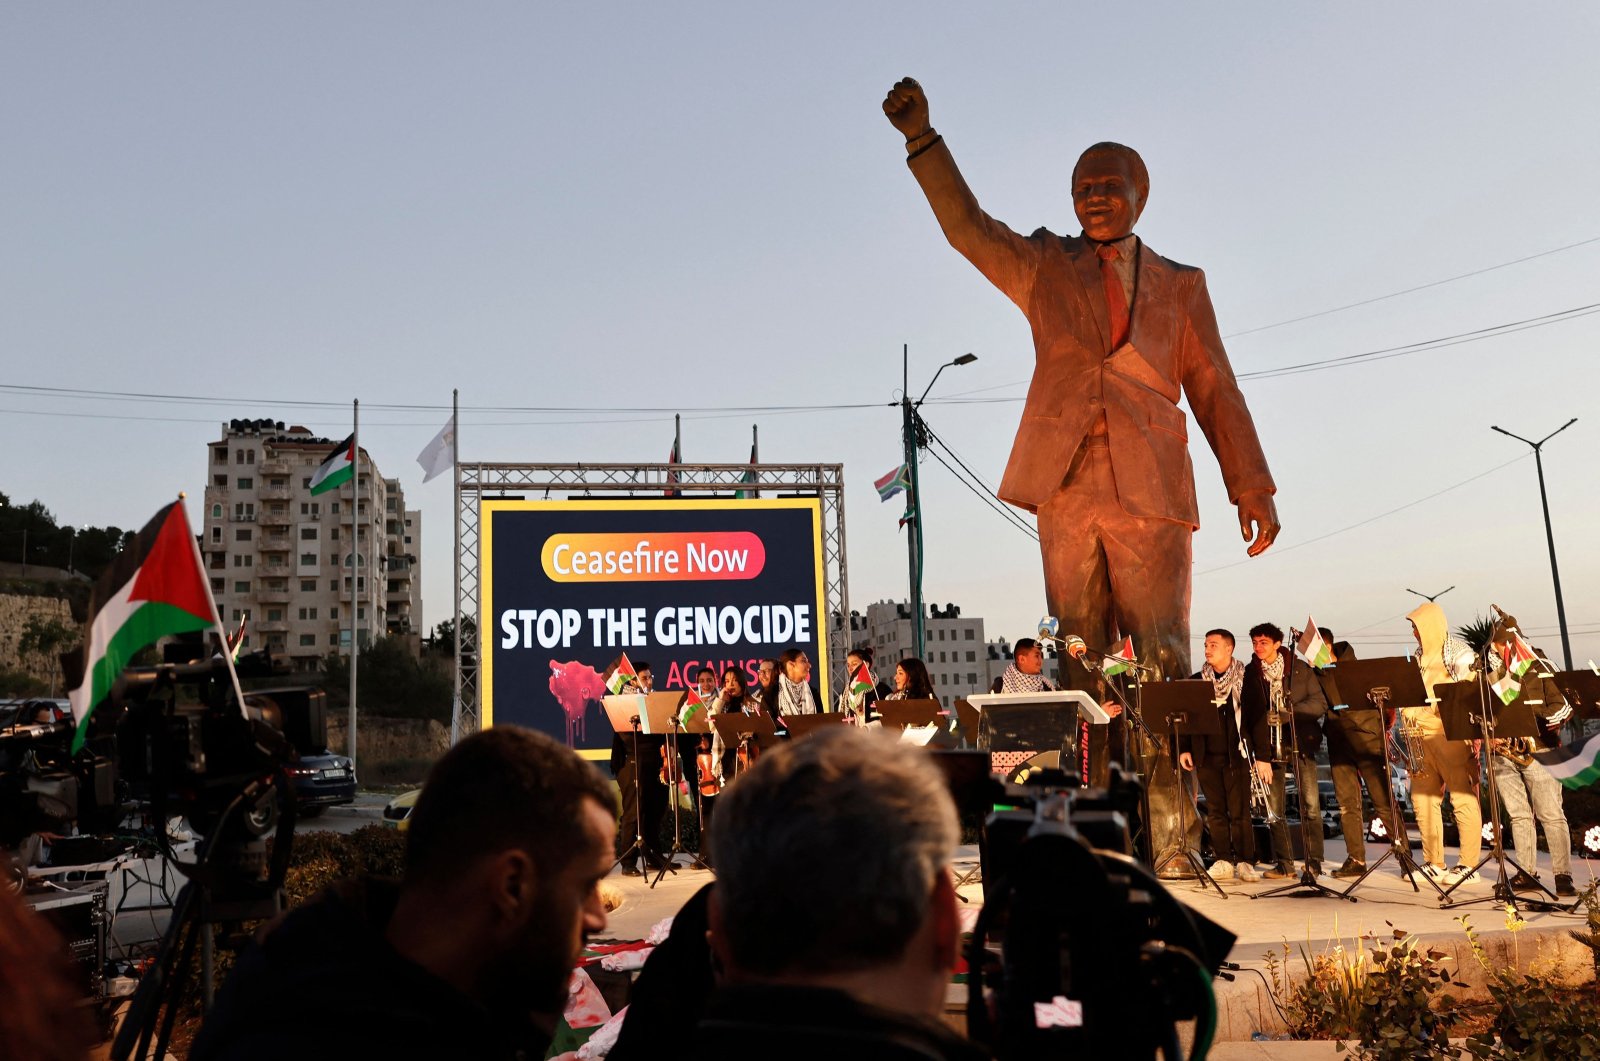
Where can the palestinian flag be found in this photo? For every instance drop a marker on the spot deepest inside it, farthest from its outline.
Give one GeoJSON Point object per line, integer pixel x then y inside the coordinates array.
{"type": "Point", "coordinates": [619, 675]}
{"type": "Point", "coordinates": [893, 483]}
{"type": "Point", "coordinates": [692, 706]}
{"type": "Point", "coordinates": [910, 515]}
{"type": "Point", "coordinates": [1119, 659]}
{"type": "Point", "coordinates": [860, 682]}
{"type": "Point", "coordinates": [155, 588]}
{"type": "Point", "coordinates": [1518, 656]}
{"type": "Point", "coordinates": [1574, 765]}
{"type": "Point", "coordinates": [748, 479]}
{"type": "Point", "coordinates": [673, 458]}
{"type": "Point", "coordinates": [1317, 652]}
{"type": "Point", "coordinates": [338, 467]}
{"type": "Point", "coordinates": [1507, 688]}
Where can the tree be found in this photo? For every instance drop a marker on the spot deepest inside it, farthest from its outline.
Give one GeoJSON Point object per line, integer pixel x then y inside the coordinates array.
{"type": "Point", "coordinates": [49, 637]}
{"type": "Point", "coordinates": [393, 682]}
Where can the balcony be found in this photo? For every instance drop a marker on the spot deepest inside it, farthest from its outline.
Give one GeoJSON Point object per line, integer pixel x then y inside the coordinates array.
{"type": "Point", "coordinates": [272, 596]}
{"type": "Point", "coordinates": [272, 626]}
{"type": "Point", "coordinates": [274, 493]}
{"type": "Point", "coordinates": [275, 570]}
{"type": "Point", "coordinates": [275, 543]}
{"type": "Point", "coordinates": [275, 466]}
{"type": "Point", "coordinates": [273, 519]}
{"type": "Point", "coordinates": [243, 517]}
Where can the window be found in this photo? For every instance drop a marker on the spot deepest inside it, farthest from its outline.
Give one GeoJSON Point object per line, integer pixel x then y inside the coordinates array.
{"type": "Point", "coordinates": [241, 587]}
{"type": "Point", "coordinates": [307, 560]}
{"type": "Point", "coordinates": [972, 679]}
{"type": "Point", "coordinates": [241, 534]}
{"type": "Point", "coordinates": [277, 483]}
{"type": "Point", "coordinates": [333, 639]}
{"type": "Point", "coordinates": [361, 586]}
{"type": "Point", "coordinates": [219, 455]}
{"type": "Point", "coordinates": [274, 615]}
{"type": "Point", "coordinates": [333, 536]}
{"type": "Point", "coordinates": [250, 458]}
{"type": "Point", "coordinates": [361, 613]}
{"type": "Point", "coordinates": [216, 535]}
{"type": "Point", "coordinates": [333, 585]}
{"type": "Point", "coordinates": [408, 542]}
{"type": "Point", "coordinates": [216, 511]}
{"type": "Point", "coordinates": [220, 480]}
{"type": "Point", "coordinates": [972, 657]}
{"type": "Point", "coordinates": [333, 558]}
{"type": "Point", "coordinates": [243, 560]}
{"type": "Point", "coordinates": [309, 585]}
{"type": "Point", "coordinates": [393, 587]}
{"type": "Point", "coordinates": [971, 634]}
{"type": "Point", "coordinates": [219, 560]}
{"type": "Point", "coordinates": [333, 616]}
{"type": "Point", "coordinates": [238, 456]}
{"type": "Point", "coordinates": [308, 613]}
{"type": "Point", "coordinates": [308, 534]}
{"type": "Point", "coordinates": [216, 585]}
{"type": "Point", "coordinates": [245, 483]}
{"type": "Point", "coordinates": [307, 640]}
{"type": "Point", "coordinates": [333, 507]}
{"type": "Point", "coordinates": [305, 481]}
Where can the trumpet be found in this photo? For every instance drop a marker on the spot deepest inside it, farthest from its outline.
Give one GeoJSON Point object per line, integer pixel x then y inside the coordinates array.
{"type": "Point", "coordinates": [1518, 749]}
{"type": "Point", "coordinates": [1260, 795]}
{"type": "Point", "coordinates": [1278, 734]}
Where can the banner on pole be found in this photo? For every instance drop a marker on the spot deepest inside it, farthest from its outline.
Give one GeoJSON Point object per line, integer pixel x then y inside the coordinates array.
{"type": "Point", "coordinates": [567, 586]}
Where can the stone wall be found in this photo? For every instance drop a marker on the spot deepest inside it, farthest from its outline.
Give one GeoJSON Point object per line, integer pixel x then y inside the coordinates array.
{"type": "Point", "coordinates": [389, 740]}
{"type": "Point", "coordinates": [15, 611]}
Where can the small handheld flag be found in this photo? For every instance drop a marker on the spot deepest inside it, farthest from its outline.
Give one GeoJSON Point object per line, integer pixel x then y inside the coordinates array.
{"type": "Point", "coordinates": [619, 675]}
{"type": "Point", "coordinates": [1317, 652]}
{"type": "Point", "coordinates": [1518, 656]}
{"type": "Point", "coordinates": [1120, 659]}
{"type": "Point", "coordinates": [860, 683]}
{"type": "Point", "coordinates": [692, 706]}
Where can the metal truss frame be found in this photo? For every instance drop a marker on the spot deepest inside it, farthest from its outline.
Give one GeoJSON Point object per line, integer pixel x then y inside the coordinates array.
{"type": "Point", "coordinates": [477, 481]}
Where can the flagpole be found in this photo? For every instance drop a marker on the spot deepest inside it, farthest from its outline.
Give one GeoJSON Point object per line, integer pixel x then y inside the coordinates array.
{"type": "Point", "coordinates": [216, 613]}
{"type": "Point", "coordinates": [455, 468]}
{"type": "Point", "coordinates": [755, 453]}
{"type": "Point", "coordinates": [355, 556]}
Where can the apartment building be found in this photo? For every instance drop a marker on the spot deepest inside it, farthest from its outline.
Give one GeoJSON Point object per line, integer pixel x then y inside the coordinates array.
{"type": "Point", "coordinates": [287, 563]}
{"type": "Point", "coordinates": [956, 651]}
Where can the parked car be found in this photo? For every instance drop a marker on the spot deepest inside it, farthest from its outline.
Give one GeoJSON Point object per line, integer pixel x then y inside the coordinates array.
{"type": "Point", "coordinates": [321, 781]}
{"type": "Point", "coordinates": [397, 812]}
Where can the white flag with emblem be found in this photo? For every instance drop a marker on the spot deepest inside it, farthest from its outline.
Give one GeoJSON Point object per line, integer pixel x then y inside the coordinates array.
{"type": "Point", "coordinates": [439, 455]}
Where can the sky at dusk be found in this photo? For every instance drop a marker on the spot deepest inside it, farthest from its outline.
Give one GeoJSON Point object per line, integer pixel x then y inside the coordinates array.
{"type": "Point", "coordinates": [590, 217]}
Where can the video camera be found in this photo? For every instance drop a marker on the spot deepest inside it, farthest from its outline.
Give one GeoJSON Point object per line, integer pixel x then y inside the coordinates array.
{"type": "Point", "coordinates": [1095, 958]}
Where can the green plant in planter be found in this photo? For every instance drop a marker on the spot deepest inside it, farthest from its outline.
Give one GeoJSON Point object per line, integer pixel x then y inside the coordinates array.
{"type": "Point", "coordinates": [1536, 1016]}
{"type": "Point", "coordinates": [1382, 996]}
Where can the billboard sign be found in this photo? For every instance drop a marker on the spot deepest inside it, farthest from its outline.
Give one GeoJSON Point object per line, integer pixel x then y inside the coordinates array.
{"type": "Point", "coordinates": [566, 587]}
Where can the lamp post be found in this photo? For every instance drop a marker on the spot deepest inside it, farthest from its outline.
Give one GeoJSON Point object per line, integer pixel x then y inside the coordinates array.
{"type": "Point", "coordinates": [911, 440]}
{"type": "Point", "coordinates": [1431, 596]}
{"type": "Point", "coordinates": [1549, 535]}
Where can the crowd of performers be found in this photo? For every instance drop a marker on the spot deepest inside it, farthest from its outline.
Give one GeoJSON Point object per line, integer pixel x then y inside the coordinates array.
{"type": "Point", "coordinates": [1275, 710]}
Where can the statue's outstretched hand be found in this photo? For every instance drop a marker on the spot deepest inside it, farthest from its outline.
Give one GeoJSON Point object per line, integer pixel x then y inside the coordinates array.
{"type": "Point", "coordinates": [1258, 519]}
{"type": "Point", "coordinates": [906, 107]}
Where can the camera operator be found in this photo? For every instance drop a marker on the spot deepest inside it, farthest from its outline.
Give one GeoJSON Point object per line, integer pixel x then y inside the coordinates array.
{"type": "Point", "coordinates": [834, 915]}
{"type": "Point", "coordinates": [470, 955]}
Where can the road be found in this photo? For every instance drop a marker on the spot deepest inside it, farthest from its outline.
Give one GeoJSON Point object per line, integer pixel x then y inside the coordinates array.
{"type": "Point", "coordinates": [366, 810]}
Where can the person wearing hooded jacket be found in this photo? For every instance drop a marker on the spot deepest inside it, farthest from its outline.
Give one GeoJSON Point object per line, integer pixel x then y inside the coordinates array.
{"type": "Point", "coordinates": [1447, 765]}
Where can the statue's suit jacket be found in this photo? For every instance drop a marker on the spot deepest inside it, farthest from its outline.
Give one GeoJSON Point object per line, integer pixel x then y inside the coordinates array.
{"type": "Point", "coordinates": [1173, 349]}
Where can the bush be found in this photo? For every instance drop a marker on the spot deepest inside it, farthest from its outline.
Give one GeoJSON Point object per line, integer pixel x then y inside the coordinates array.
{"type": "Point", "coordinates": [1534, 1015]}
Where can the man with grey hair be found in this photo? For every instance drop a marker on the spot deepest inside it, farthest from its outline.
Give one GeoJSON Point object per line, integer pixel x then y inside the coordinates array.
{"type": "Point", "coordinates": [834, 913]}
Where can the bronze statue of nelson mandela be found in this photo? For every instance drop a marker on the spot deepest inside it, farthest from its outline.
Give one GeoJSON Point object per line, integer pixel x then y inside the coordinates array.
{"type": "Point", "coordinates": [1101, 456]}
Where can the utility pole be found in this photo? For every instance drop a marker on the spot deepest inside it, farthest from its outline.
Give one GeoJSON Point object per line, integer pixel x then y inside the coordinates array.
{"type": "Point", "coordinates": [911, 439]}
{"type": "Point", "coordinates": [1549, 534]}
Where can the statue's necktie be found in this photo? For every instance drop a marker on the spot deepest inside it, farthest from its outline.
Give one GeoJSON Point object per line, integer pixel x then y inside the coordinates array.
{"type": "Point", "coordinates": [1116, 298]}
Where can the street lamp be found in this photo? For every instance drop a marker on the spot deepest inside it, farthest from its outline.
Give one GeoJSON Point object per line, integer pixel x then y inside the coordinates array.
{"type": "Point", "coordinates": [1549, 535]}
{"type": "Point", "coordinates": [1431, 596]}
{"type": "Point", "coordinates": [911, 439]}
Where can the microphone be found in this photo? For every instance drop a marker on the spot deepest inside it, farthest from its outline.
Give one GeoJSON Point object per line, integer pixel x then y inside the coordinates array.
{"type": "Point", "coordinates": [1049, 630]}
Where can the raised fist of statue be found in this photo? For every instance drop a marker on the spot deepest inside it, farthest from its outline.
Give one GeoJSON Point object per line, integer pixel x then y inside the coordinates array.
{"type": "Point", "coordinates": [906, 107]}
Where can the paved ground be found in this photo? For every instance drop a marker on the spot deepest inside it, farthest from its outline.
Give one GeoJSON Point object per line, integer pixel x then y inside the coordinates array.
{"type": "Point", "coordinates": [366, 810]}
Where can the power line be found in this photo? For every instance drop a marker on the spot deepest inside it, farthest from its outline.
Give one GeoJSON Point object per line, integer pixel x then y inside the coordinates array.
{"type": "Point", "coordinates": [1005, 509]}
{"type": "Point", "coordinates": [1369, 519]}
{"type": "Point", "coordinates": [1411, 290]}
{"type": "Point", "coordinates": [981, 496]}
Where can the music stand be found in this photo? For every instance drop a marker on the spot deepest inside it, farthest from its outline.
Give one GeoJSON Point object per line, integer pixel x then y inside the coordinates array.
{"type": "Point", "coordinates": [1307, 880]}
{"type": "Point", "coordinates": [1185, 706]}
{"type": "Point", "coordinates": [804, 725]}
{"type": "Point", "coordinates": [898, 714]}
{"type": "Point", "coordinates": [660, 718]}
{"type": "Point", "coordinates": [623, 712]}
{"type": "Point", "coordinates": [1582, 691]}
{"type": "Point", "coordinates": [967, 719]}
{"type": "Point", "coordinates": [1470, 711]}
{"type": "Point", "coordinates": [1379, 685]}
{"type": "Point", "coordinates": [739, 729]}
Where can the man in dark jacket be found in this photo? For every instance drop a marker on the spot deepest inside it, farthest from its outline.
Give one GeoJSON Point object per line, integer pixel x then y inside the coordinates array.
{"type": "Point", "coordinates": [469, 956]}
{"type": "Point", "coordinates": [1278, 685]}
{"type": "Point", "coordinates": [1355, 756]}
{"type": "Point", "coordinates": [858, 968]}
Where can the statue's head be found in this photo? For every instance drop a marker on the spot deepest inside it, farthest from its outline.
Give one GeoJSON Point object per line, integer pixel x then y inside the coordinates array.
{"type": "Point", "coordinates": [1109, 189]}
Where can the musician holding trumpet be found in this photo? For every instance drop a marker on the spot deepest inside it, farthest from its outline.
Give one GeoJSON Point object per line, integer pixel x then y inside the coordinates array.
{"type": "Point", "coordinates": [1223, 765]}
{"type": "Point", "coordinates": [1284, 706]}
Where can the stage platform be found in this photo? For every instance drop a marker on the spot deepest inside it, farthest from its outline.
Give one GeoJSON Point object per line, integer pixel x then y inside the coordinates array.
{"type": "Point", "coordinates": [1385, 903]}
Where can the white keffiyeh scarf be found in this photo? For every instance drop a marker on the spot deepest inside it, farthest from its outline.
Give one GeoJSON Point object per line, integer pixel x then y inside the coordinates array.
{"type": "Point", "coordinates": [794, 698]}
{"type": "Point", "coordinates": [1014, 681]}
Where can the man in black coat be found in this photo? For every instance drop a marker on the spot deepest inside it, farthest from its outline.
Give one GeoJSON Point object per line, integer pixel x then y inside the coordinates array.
{"type": "Point", "coordinates": [1219, 765]}
{"type": "Point", "coordinates": [1277, 683]}
{"type": "Point", "coordinates": [1355, 757]}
